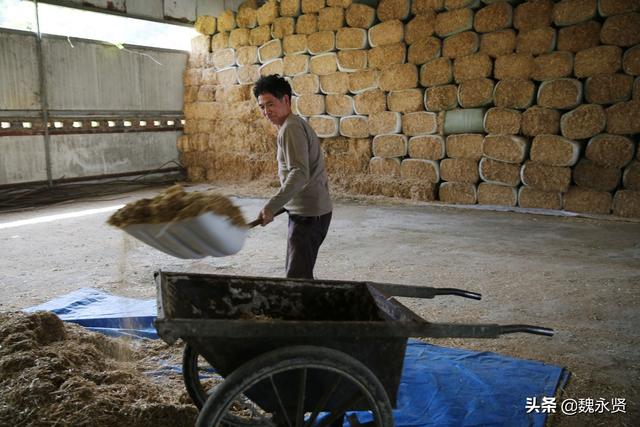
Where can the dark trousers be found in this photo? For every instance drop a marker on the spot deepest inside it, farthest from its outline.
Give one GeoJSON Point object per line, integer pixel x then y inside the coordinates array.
{"type": "Point", "coordinates": [306, 234]}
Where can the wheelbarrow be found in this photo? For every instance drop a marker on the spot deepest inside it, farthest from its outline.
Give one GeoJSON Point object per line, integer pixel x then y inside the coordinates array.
{"type": "Point", "coordinates": [296, 352]}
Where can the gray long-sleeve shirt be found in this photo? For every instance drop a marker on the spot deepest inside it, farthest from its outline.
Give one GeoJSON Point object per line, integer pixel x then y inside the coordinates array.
{"type": "Point", "coordinates": [304, 187]}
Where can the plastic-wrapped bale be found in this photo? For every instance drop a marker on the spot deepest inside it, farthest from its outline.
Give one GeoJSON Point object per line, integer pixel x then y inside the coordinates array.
{"type": "Point", "coordinates": [459, 170]}
{"type": "Point", "coordinates": [330, 19]}
{"type": "Point", "coordinates": [624, 118]}
{"type": "Point", "coordinates": [533, 14]}
{"type": "Point", "coordinates": [460, 44]}
{"type": "Point", "coordinates": [388, 32]}
{"type": "Point", "coordinates": [626, 203]}
{"type": "Point", "coordinates": [247, 55]}
{"type": "Point", "coordinates": [189, 96]}
{"type": "Point", "coordinates": [583, 122]}
{"type": "Point", "coordinates": [269, 51]}
{"type": "Point", "coordinates": [209, 76]}
{"type": "Point", "coordinates": [384, 122]}
{"type": "Point", "coordinates": [228, 76]}
{"type": "Point", "coordinates": [260, 35]}
{"type": "Point", "coordinates": [470, 67]}
{"type": "Point", "coordinates": [369, 102]}
{"type": "Point", "coordinates": [311, 105]}
{"type": "Point", "coordinates": [631, 61]}
{"type": "Point", "coordinates": [323, 64]}
{"type": "Point", "coordinates": [294, 65]}
{"type": "Point", "coordinates": [428, 147]}
{"type": "Point", "coordinates": [465, 120]}
{"type": "Point", "coordinates": [206, 93]}
{"type": "Point", "coordinates": [305, 84]}
{"type": "Point", "coordinates": [388, 10]}
{"type": "Point", "coordinates": [514, 93]}
{"type": "Point", "coordinates": [267, 13]}
{"type": "Point", "coordinates": [465, 145]}
{"type": "Point", "coordinates": [579, 37]}
{"type": "Point", "coordinates": [475, 93]}
{"type": "Point", "coordinates": [398, 77]}
{"type": "Point", "coordinates": [506, 148]}
{"type": "Point", "coordinates": [354, 127]}
{"type": "Point", "coordinates": [499, 120]}
{"type": "Point", "coordinates": [419, 123]}
{"type": "Point", "coordinates": [275, 66]}
{"type": "Point", "coordinates": [205, 25]}
{"type": "Point", "coordinates": [420, 27]}
{"type": "Point", "coordinates": [493, 17]}
{"type": "Point", "coordinates": [597, 60]}
{"type": "Point", "coordinates": [384, 56]}
{"type": "Point", "coordinates": [555, 150]}
{"type": "Point", "coordinates": [339, 105]}
{"type": "Point", "coordinates": [223, 58]}
{"type": "Point", "coordinates": [351, 38]}
{"type": "Point", "coordinates": [531, 198]}
{"type": "Point", "coordinates": [346, 155]}
{"type": "Point", "coordinates": [536, 42]}
{"type": "Point", "coordinates": [360, 16]}
{"type": "Point", "coordinates": [352, 60]}
{"type": "Point", "coordinates": [591, 175]}
{"type": "Point", "coordinates": [617, 7]}
{"type": "Point", "coordinates": [234, 93]}
{"type": "Point", "coordinates": [608, 88]}
{"type": "Point", "coordinates": [312, 6]}
{"type": "Point", "coordinates": [289, 8]}
{"type": "Point", "coordinates": [226, 21]}
{"type": "Point", "coordinates": [282, 26]}
{"type": "Point", "coordinates": [405, 101]}
{"type": "Point", "coordinates": [247, 17]}
{"type": "Point", "coordinates": [248, 73]}
{"type": "Point", "coordinates": [420, 7]}
{"type": "Point", "coordinates": [424, 50]}
{"type": "Point", "coordinates": [494, 194]}
{"type": "Point", "coordinates": [437, 72]}
{"type": "Point", "coordinates": [498, 43]}
{"type": "Point", "coordinates": [307, 24]}
{"type": "Point", "coordinates": [321, 42]}
{"type": "Point", "coordinates": [457, 193]}
{"type": "Point", "coordinates": [192, 77]}
{"type": "Point", "coordinates": [545, 177]}
{"type": "Point", "coordinates": [621, 30]}
{"type": "Point", "coordinates": [569, 12]}
{"type": "Point", "coordinates": [440, 98]}
{"type": "Point", "coordinates": [325, 126]}
{"type": "Point", "coordinates": [538, 120]}
{"type": "Point", "coordinates": [587, 201]}
{"type": "Point", "coordinates": [515, 65]}
{"type": "Point", "coordinates": [391, 145]}
{"type": "Point", "coordinates": [200, 45]}
{"type": "Point", "coordinates": [294, 43]}
{"type": "Point", "coordinates": [610, 150]}
{"type": "Point", "coordinates": [384, 166]}
{"type": "Point", "coordinates": [363, 80]}
{"type": "Point", "coordinates": [499, 173]}
{"type": "Point", "coordinates": [453, 22]}
{"type": "Point", "coordinates": [631, 176]}
{"type": "Point", "coordinates": [563, 94]}
{"type": "Point", "coordinates": [334, 83]}
{"type": "Point", "coordinates": [421, 169]}
{"type": "Point", "coordinates": [552, 65]}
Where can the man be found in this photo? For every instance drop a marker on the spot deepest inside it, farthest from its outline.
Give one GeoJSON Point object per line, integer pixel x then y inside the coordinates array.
{"type": "Point", "coordinates": [304, 188]}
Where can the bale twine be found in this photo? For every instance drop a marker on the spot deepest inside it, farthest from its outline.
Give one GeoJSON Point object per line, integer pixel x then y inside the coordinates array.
{"type": "Point", "coordinates": [226, 21]}
{"type": "Point", "coordinates": [626, 203]}
{"type": "Point", "coordinates": [465, 120]}
{"type": "Point", "coordinates": [424, 50]}
{"type": "Point", "coordinates": [321, 42]}
{"type": "Point", "coordinates": [282, 26]}
{"type": "Point", "coordinates": [587, 201]}
{"type": "Point", "coordinates": [569, 12]}
{"type": "Point", "coordinates": [494, 194]}
{"type": "Point", "coordinates": [311, 6]}
{"type": "Point", "coordinates": [470, 67]}
{"type": "Point", "coordinates": [205, 25]}
{"type": "Point", "coordinates": [260, 35]}
{"type": "Point", "coordinates": [453, 22]}
{"type": "Point", "coordinates": [307, 24]}
{"type": "Point", "coordinates": [247, 55]}
{"type": "Point", "coordinates": [311, 105]}
{"type": "Point", "coordinates": [419, 123]}
{"type": "Point", "coordinates": [325, 126]}
{"type": "Point", "coordinates": [536, 42]}
{"type": "Point", "coordinates": [429, 147]}
{"type": "Point", "coordinates": [506, 148]}
{"type": "Point", "coordinates": [351, 38]}
{"type": "Point", "coordinates": [223, 58]}
{"type": "Point", "coordinates": [388, 32]}
{"type": "Point", "coordinates": [323, 64]}
{"type": "Point", "coordinates": [610, 150]}
{"type": "Point", "coordinates": [294, 43]}
{"type": "Point", "coordinates": [330, 19]}
{"type": "Point", "coordinates": [437, 72]}
{"type": "Point", "coordinates": [398, 77]}
{"type": "Point", "coordinates": [624, 118]}
{"type": "Point", "coordinates": [555, 150]}
{"type": "Point", "coordinates": [294, 65]}
{"type": "Point", "coordinates": [267, 13]}
{"type": "Point", "coordinates": [354, 127]}
{"type": "Point", "coordinates": [384, 56]}
{"type": "Point", "coordinates": [363, 80]}
{"type": "Point", "coordinates": [616, 7]}
{"type": "Point", "coordinates": [227, 76]}
{"type": "Point", "coordinates": [608, 88]}
{"type": "Point", "coordinates": [360, 16]}
{"type": "Point", "coordinates": [384, 122]}
{"type": "Point", "coordinates": [597, 60]}
{"type": "Point", "coordinates": [514, 65]}
{"type": "Point", "coordinates": [545, 177]}
{"type": "Point", "coordinates": [531, 198]}
{"type": "Point", "coordinates": [498, 43]}
{"type": "Point", "coordinates": [552, 65]}
{"type": "Point", "coordinates": [631, 61]}
{"type": "Point", "coordinates": [631, 176]}
{"type": "Point", "coordinates": [494, 17]}
{"type": "Point", "coordinates": [459, 170]}
{"type": "Point", "coordinates": [621, 30]}
{"type": "Point", "coordinates": [538, 120]}
{"type": "Point", "coordinates": [579, 37]}
{"type": "Point", "coordinates": [305, 84]}
{"type": "Point", "coordinates": [465, 146]}
{"type": "Point", "coordinates": [384, 166]}
{"type": "Point", "coordinates": [275, 66]}
{"type": "Point", "coordinates": [533, 14]}
{"type": "Point", "coordinates": [405, 101]}
{"type": "Point", "coordinates": [420, 27]}
{"type": "Point", "coordinates": [270, 50]}
{"type": "Point", "coordinates": [420, 7]}
{"type": "Point", "coordinates": [475, 93]}
{"type": "Point", "coordinates": [388, 10]}
{"type": "Point", "coordinates": [499, 173]}
{"type": "Point", "coordinates": [334, 83]}
{"type": "Point", "coordinates": [457, 193]}
{"type": "Point", "coordinates": [352, 60]}
{"type": "Point", "coordinates": [420, 169]}
{"type": "Point", "coordinates": [460, 44]}
{"type": "Point", "coordinates": [563, 94]}
{"type": "Point", "coordinates": [290, 8]}
{"type": "Point", "coordinates": [583, 122]}
{"type": "Point", "coordinates": [391, 145]}
{"type": "Point", "coordinates": [339, 105]}
{"type": "Point", "coordinates": [591, 175]}
{"type": "Point", "coordinates": [440, 98]}
{"type": "Point", "coordinates": [501, 120]}
{"type": "Point", "coordinates": [248, 73]}
{"type": "Point", "coordinates": [369, 102]}
{"type": "Point", "coordinates": [514, 93]}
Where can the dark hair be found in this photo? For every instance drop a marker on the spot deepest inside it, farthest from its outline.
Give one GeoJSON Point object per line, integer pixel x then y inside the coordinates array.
{"type": "Point", "coordinates": [273, 84]}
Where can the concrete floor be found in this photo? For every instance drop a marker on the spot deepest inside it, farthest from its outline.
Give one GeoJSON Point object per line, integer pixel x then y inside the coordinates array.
{"type": "Point", "coordinates": [579, 276]}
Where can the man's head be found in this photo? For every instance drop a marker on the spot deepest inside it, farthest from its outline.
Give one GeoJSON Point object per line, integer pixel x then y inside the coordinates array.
{"type": "Point", "coordinates": [274, 98]}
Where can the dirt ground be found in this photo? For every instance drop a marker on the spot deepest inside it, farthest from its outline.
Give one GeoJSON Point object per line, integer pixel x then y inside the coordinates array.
{"type": "Point", "coordinates": [579, 276]}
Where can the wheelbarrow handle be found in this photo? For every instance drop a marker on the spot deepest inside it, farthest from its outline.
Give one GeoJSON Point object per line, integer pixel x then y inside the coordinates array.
{"type": "Point", "coordinates": [257, 221]}
{"type": "Point", "coordinates": [422, 291]}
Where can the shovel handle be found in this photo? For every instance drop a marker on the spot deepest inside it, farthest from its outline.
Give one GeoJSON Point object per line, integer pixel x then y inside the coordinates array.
{"type": "Point", "coordinates": [258, 221]}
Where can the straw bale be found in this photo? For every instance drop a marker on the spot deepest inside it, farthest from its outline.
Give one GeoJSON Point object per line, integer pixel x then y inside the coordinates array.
{"type": "Point", "coordinates": [206, 93]}
{"type": "Point", "coordinates": [460, 44]}
{"type": "Point", "coordinates": [453, 22]}
{"type": "Point", "coordinates": [545, 178]}
{"type": "Point", "coordinates": [499, 173]}
{"type": "Point", "coordinates": [294, 65]}
{"type": "Point", "coordinates": [506, 148]}
{"type": "Point", "coordinates": [475, 93]}
{"type": "Point", "coordinates": [305, 84]}
{"type": "Point", "coordinates": [429, 147]}
{"type": "Point", "coordinates": [227, 76]}
{"type": "Point", "coordinates": [383, 56]}
{"type": "Point", "coordinates": [330, 19]}
{"type": "Point", "coordinates": [554, 150]}
{"type": "Point", "coordinates": [569, 12]}
{"type": "Point", "coordinates": [631, 61]}
{"type": "Point", "coordinates": [223, 58]}
{"type": "Point", "coordinates": [339, 3]}
{"type": "Point", "coordinates": [312, 6]}
{"type": "Point", "coordinates": [200, 45]}
{"type": "Point", "coordinates": [616, 7]}
{"type": "Point", "coordinates": [420, 27]}
{"type": "Point", "coordinates": [465, 120]}
{"type": "Point", "coordinates": [289, 8]}
{"type": "Point", "coordinates": [391, 145]}
{"type": "Point", "coordinates": [248, 73]}
{"type": "Point", "coordinates": [498, 43]}
{"type": "Point", "coordinates": [583, 122]}
{"type": "Point", "coordinates": [339, 105]}
{"type": "Point", "coordinates": [436, 72]}
{"type": "Point", "coordinates": [597, 60]}
{"type": "Point", "coordinates": [422, 169]}
{"type": "Point", "coordinates": [398, 77]}
{"type": "Point", "coordinates": [267, 13]}
{"type": "Point", "coordinates": [205, 25]}
{"type": "Point", "coordinates": [536, 42]}
{"type": "Point", "coordinates": [533, 14]}
{"type": "Point", "coordinates": [384, 122]}
{"type": "Point", "coordinates": [608, 88]}
{"type": "Point", "coordinates": [360, 16]}
{"type": "Point", "coordinates": [405, 101]}
{"type": "Point", "coordinates": [388, 10]}
{"type": "Point", "coordinates": [260, 35]}
{"type": "Point", "coordinates": [440, 98]}
{"type": "Point", "coordinates": [282, 26]}
{"type": "Point", "coordinates": [624, 118]}
{"type": "Point", "coordinates": [334, 83]}
{"type": "Point", "coordinates": [351, 38]}
{"type": "Point", "coordinates": [538, 120]}
{"type": "Point", "coordinates": [459, 4]}
{"type": "Point", "coordinates": [579, 37]}
{"type": "Point", "coordinates": [275, 66]}
{"type": "Point", "coordinates": [610, 150]}
{"type": "Point", "coordinates": [198, 60]}
{"type": "Point", "coordinates": [294, 43]}
{"type": "Point", "coordinates": [369, 102]}
{"type": "Point", "coordinates": [247, 17]}
{"type": "Point", "coordinates": [346, 156]}
{"type": "Point", "coordinates": [514, 93]}
{"type": "Point", "coordinates": [420, 7]}
{"type": "Point", "coordinates": [636, 89]}
{"type": "Point", "coordinates": [621, 30]}
{"type": "Point", "coordinates": [384, 166]}
{"type": "Point", "coordinates": [626, 203]}
{"type": "Point", "coordinates": [226, 21]}
{"type": "Point", "coordinates": [354, 126]}
{"type": "Point", "coordinates": [323, 64]}
{"type": "Point", "coordinates": [424, 50]}
{"type": "Point", "coordinates": [591, 175]}
{"type": "Point", "coordinates": [270, 50]}
{"type": "Point", "coordinates": [502, 120]}
{"type": "Point", "coordinates": [419, 123]}
{"type": "Point", "coordinates": [307, 24]}
{"type": "Point", "coordinates": [588, 201]}
{"type": "Point", "coordinates": [563, 94]}
{"type": "Point", "coordinates": [631, 176]}
{"type": "Point", "coordinates": [352, 60]}
{"type": "Point", "coordinates": [192, 76]}
{"type": "Point", "coordinates": [388, 32]}
{"type": "Point", "coordinates": [494, 17]}
{"type": "Point", "coordinates": [552, 65]}
{"type": "Point", "coordinates": [321, 42]}
{"type": "Point", "coordinates": [531, 198]}
{"type": "Point", "coordinates": [247, 55]}
{"type": "Point", "coordinates": [472, 67]}
{"type": "Point", "coordinates": [457, 193]}
{"type": "Point", "coordinates": [514, 65]}
{"type": "Point", "coordinates": [190, 95]}
{"type": "Point", "coordinates": [363, 80]}
{"type": "Point", "coordinates": [234, 93]}
{"type": "Point", "coordinates": [494, 194]}
{"type": "Point", "coordinates": [465, 145]}
{"type": "Point", "coordinates": [325, 126]}
{"type": "Point", "coordinates": [459, 170]}
{"type": "Point", "coordinates": [311, 105]}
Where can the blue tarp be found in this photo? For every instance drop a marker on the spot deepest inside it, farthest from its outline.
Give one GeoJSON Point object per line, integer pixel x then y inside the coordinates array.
{"type": "Point", "coordinates": [439, 386]}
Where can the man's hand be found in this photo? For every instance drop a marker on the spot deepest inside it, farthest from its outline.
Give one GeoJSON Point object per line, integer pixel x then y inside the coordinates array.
{"type": "Point", "coordinates": [266, 216]}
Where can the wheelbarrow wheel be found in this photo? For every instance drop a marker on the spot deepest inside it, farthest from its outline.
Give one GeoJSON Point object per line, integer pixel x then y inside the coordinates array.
{"type": "Point", "coordinates": [285, 377]}
{"type": "Point", "coordinates": [191, 372]}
